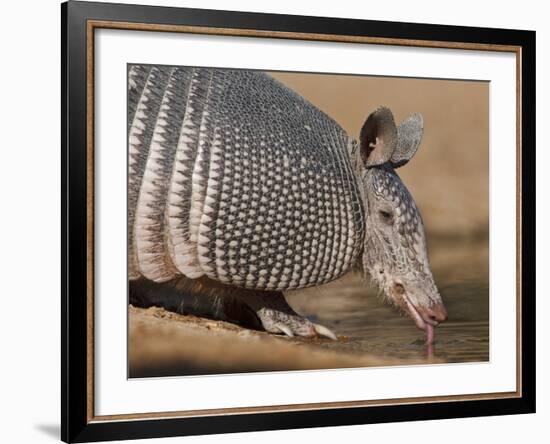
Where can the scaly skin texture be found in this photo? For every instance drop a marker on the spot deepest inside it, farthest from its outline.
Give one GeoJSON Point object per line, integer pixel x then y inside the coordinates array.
{"type": "Point", "coordinates": [395, 247]}
{"type": "Point", "coordinates": [239, 190]}
{"type": "Point", "coordinates": [235, 177]}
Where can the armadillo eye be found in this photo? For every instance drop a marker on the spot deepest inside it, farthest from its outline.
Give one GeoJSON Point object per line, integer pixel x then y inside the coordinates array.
{"type": "Point", "coordinates": [399, 289]}
{"type": "Point", "coordinates": [386, 217]}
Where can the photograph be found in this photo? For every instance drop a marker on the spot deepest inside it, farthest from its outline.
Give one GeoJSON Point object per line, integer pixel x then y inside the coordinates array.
{"type": "Point", "coordinates": [276, 221]}
{"type": "Point", "coordinates": [281, 222]}
{"type": "Point", "coordinates": [286, 221]}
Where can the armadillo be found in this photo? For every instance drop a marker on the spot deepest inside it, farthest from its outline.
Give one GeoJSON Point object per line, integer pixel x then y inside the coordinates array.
{"type": "Point", "coordinates": [237, 181]}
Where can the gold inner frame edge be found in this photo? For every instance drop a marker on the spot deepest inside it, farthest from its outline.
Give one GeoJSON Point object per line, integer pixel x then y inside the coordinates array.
{"type": "Point", "coordinates": [106, 24]}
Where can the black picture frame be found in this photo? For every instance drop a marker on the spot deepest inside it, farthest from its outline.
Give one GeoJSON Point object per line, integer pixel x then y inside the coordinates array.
{"type": "Point", "coordinates": [77, 425]}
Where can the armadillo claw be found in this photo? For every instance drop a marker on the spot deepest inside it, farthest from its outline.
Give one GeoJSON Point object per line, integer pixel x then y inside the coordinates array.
{"type": "Point", "coordinates": [283, 329]}
{"type": "Point", "coordinates": [275, 321]}
{"type": "Point", "coordinates": [323, 331]}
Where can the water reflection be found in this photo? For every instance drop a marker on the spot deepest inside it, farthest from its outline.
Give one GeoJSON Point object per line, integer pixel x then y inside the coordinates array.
{"type": "Point", "coordinates": [461, 271]}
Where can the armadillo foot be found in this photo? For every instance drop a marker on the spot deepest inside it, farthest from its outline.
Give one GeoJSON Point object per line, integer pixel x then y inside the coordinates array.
{"type": "Point", "coordinates": [248, 308]}
{"type": "Point", "coordinates": [275, 321]}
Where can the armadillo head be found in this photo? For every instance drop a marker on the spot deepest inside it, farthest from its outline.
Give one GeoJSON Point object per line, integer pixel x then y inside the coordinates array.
{"type": "Point", "coordinates": [395, 252]}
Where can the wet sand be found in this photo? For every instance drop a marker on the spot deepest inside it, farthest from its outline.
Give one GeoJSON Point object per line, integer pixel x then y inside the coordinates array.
{"type": "Point", "coordinates": [370, 332]}
{"type": "Point", "coordinates": [167, 344]}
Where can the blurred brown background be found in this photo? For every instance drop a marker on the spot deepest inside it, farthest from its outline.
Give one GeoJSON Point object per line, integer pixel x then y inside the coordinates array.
{"type": "Point", "coordinates": [449, 175]}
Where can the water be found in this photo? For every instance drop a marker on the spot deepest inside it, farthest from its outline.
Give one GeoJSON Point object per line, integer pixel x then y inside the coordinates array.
{"type": "Point", "coordinates": [353, 310]}
{"type": "Point", "coordinates": [370, 331]}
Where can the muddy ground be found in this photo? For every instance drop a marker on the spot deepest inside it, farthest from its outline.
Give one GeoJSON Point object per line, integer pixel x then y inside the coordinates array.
{"type": "Point", "coordinates": [168, 344]}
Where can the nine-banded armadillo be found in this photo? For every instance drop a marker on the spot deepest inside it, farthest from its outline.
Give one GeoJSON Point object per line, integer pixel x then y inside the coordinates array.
{"type": "Point", "coordinates": [241, 189]}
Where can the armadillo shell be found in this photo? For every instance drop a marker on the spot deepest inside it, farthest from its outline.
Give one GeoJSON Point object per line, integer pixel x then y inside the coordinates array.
{"type": "Point", "coordinates": [234, 176]}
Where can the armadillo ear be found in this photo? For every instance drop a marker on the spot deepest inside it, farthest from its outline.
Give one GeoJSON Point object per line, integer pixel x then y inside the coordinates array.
{"type": "Point", "coordinates": [409, 135]}
{"type": "Point", "coordinates": [378, 137]}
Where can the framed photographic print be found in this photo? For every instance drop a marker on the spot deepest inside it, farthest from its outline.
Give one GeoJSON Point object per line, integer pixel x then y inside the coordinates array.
{"type": "Point", "coordinates": [276, 221]}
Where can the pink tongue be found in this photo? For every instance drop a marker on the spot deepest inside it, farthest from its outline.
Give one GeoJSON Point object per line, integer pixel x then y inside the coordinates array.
{"type": "Point", "coordinates": [429, 334]}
